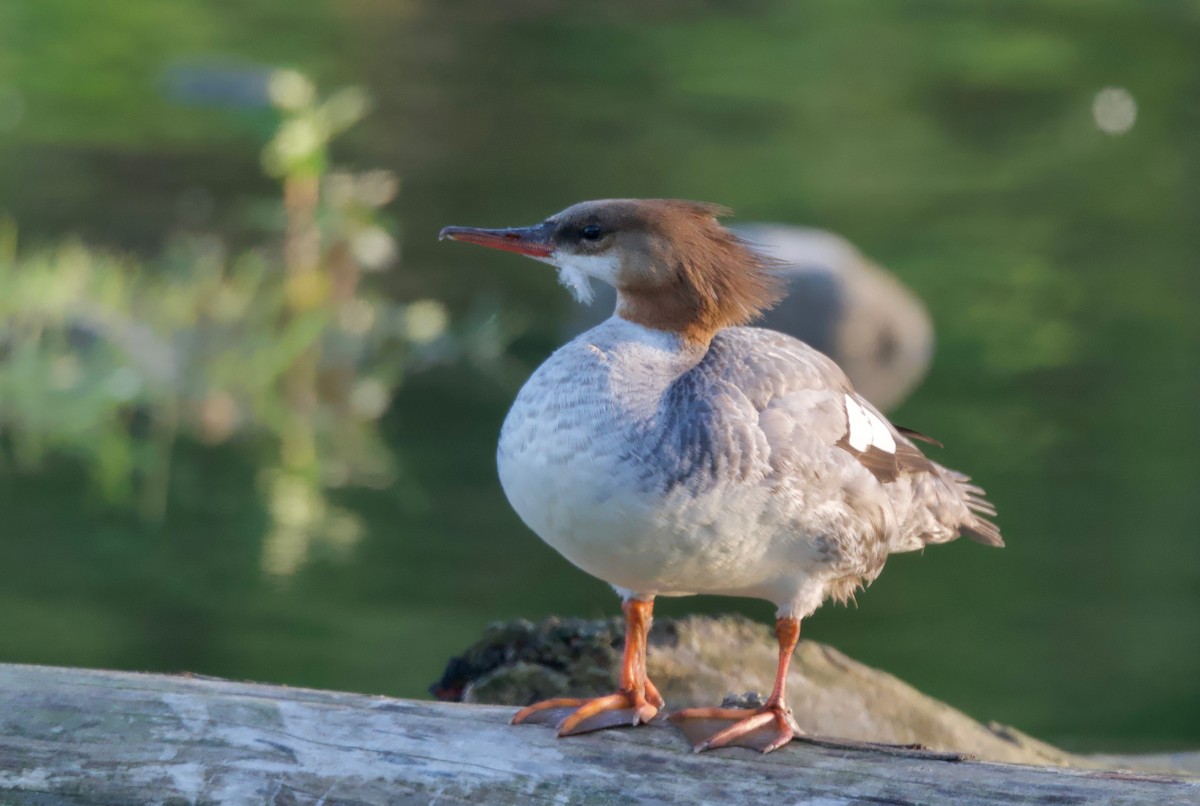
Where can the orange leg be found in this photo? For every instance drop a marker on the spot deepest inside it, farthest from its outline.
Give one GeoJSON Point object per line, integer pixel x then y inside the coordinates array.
{"type": "Point", "coordinates": [767, 728]}
{"type": "Point", "coordinates": [638, 700]}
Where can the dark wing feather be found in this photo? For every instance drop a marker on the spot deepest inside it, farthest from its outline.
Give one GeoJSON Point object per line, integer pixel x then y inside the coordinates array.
{"type": "Point", "coordinates": [917, 435]}
{"type": "Point", "coordinates": [887, 466]}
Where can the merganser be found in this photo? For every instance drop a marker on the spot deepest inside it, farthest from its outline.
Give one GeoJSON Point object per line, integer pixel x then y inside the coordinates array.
{"type": "Point", "coordinates": [670, 451]}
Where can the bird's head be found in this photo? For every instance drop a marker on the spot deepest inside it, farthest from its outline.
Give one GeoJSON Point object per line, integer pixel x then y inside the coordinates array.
{"type": "Point", "coordinates": [674, 266]}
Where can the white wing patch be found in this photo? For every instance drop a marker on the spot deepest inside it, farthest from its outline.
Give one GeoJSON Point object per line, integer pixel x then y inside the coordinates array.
{"type": "Point", "coordinates": [865, 428]}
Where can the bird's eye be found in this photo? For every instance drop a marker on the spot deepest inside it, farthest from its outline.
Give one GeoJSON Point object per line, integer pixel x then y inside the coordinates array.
{"type": "Point", "coordinates": [590, 233]}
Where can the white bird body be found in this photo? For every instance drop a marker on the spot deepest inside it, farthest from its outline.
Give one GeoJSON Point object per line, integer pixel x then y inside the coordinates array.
{"type": "Point", "coordinates": [573, 461]}
{"type": "Point", "coordinates": [666, 468]}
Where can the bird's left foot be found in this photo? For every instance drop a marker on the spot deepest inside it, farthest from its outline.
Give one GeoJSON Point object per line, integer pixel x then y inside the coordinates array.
{"type": "Point", "coordinates": [574, 716]}
{"type": "Point", "coordinates": [764, 729]}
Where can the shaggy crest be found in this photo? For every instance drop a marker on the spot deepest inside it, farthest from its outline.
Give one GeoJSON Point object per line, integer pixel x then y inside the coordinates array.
{"type": "Point", "coordinates": [717, 280]}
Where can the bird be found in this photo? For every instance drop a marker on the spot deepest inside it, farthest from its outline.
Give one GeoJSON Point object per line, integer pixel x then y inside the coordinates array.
{"type": "Point", "coordinates": [836, 300]}
{"type": "Point", "coordinates": [672, 450]}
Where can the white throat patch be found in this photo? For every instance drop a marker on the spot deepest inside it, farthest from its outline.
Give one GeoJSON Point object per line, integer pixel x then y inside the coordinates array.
{"type": "Point", "coordinates": [575, 273]}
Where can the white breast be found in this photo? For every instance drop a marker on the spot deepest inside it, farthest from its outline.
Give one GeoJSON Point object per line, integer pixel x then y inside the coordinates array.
{"type": "Point", "coordinates": [561, 447]}
{"type": "Point", "coordinates": [565, 464]}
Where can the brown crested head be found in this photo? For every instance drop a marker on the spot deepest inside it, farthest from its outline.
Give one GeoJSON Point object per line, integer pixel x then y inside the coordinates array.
{"type": "Point", "coordinates": [674, 266]}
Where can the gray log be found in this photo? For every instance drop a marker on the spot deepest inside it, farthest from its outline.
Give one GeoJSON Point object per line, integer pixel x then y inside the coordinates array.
{"type": "Point", "coordinates": [84, 736]}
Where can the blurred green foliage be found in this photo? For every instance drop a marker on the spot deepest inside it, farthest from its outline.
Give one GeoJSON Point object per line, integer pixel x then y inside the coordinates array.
{"type": "Point", "coordinates": [109, 360]}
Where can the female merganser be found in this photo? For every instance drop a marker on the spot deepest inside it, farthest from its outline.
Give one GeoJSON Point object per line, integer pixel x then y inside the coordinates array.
{"type": "Point", "coordinates": [670, 452]}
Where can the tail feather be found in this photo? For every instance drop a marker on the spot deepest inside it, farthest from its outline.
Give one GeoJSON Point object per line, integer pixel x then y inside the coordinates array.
{"type": "Point", "coordinates": [978, 529]}
{"type": "Point", "coordinates": [981, 506]}
{"type": "Point", "coordinates": [948, 506]}
{"type": "Point", "coordinates": [983, 531]}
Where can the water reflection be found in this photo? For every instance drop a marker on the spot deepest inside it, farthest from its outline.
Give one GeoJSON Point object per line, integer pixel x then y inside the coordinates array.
{"type": "Point", "coordinates": [302, 515]}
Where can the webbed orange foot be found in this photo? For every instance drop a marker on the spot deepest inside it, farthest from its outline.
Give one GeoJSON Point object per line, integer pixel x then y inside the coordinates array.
{"type": "Point", "coordinates": [573, 716]}
{"type": "Point", "coordinates": [764, 729]}
{"type": "Point", "coordinates": [636, 703]}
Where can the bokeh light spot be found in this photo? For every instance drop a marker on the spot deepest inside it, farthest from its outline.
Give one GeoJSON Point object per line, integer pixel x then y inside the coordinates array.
{"type": "Point", "coordinates": [1114, 110]}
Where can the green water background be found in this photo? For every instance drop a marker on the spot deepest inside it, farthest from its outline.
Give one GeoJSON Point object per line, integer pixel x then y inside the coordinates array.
{"type": "Point", "coordinates": [954, 142]}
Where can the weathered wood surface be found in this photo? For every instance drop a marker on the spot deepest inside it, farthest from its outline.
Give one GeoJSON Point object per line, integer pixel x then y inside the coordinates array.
{"type": "Point", "coordinates": [83, 736]}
